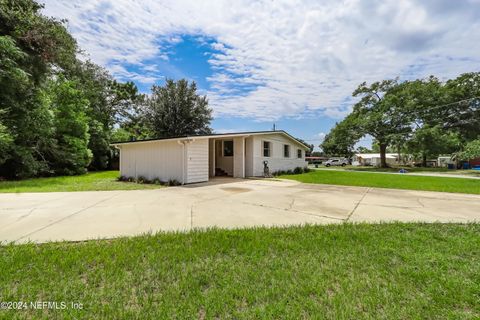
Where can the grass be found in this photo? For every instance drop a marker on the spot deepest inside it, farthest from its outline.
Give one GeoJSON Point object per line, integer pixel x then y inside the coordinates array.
{"type": "Point", "coordinates": [400, 181]}
{"type": "Point", "coordinates": [94, 181]}
{"type": "Point", "coordinates": [383, 271]}
{"type": "Point", "coordinates": [439, 170]}
{"type": "Point", "coordinates": [396, 169]}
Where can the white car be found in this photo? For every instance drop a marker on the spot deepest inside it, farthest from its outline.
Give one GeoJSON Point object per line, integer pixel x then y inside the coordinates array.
{"type": "Point", "coordinates": [336, 162]}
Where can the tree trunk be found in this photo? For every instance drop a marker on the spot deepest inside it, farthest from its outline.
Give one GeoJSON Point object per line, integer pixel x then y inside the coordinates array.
{"type": "Point", "coordinates": [424, 160]}
{"type": "Point", "coordinates": [383, 151]}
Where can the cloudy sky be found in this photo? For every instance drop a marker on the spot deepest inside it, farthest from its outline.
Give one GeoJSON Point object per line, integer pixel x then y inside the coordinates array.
{"type": "Point", "coordinates": [293, 63]}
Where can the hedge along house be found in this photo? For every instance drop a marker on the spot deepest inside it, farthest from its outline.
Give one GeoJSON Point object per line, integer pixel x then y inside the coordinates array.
{"type": "Point", "coordinates": [191, 159]}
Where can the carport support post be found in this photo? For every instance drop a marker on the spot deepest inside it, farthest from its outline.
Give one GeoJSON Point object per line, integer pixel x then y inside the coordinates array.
{"type": "Point", "coordinates": [213, 155]}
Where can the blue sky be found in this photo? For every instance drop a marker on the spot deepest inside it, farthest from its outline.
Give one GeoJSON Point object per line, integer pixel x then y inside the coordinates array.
{"type": "Point", "coordinates": [188, 57]}
{"type": "Point", "coordinates": [294, 64]}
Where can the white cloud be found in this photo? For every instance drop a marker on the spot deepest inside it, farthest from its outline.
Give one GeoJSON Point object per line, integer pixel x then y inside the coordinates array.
{"type": "Point", "coordinates": [321, 136]}
{"type": "Point", "coordinates": [297, 57]}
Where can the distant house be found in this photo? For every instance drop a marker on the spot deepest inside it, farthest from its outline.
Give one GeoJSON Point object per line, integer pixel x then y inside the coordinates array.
{"type": "Point", "coordinates": [373, 159]}
{"type": "Point", "coordinates": [190, 159]}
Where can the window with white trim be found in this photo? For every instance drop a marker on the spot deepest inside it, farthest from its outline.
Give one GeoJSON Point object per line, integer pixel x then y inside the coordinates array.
{"type": "Point", "coordinates": [286, 151]}
{"type": "Point", "coordinates": [299, 153]}
{"type": "Point", "coordinates": [267, 148]}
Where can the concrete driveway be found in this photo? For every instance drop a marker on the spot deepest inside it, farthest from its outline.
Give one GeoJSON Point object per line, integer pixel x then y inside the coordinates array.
{"type": "Point", "coordinates": [224, 202]}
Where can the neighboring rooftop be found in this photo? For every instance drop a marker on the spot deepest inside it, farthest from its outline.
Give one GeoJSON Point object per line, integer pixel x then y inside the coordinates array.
{"type": "Point", "coordinates": [375, 155]}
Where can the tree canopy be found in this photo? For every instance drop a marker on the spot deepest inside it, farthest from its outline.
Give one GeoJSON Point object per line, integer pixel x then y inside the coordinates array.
{"type": "Point", "coordinates": [423, 117]}
{"type": "Point", "coordinates": [471, 150]}
{"type": "Point", "coordinates": [59, 113]}
{"type": "Point", "coordinates": [176, 109]}
{"type": "Point", "coordinates": [56, 111]}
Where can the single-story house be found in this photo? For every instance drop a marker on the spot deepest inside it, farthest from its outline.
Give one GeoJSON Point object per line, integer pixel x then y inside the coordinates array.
{"type": "Point", "coordinates": [373, 159]}
{"type": "Point", "coordinates": [190, 159]}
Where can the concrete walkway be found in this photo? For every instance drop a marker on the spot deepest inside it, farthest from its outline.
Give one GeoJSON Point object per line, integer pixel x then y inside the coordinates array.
{"type": "Point", "coordinates": [226, 203]}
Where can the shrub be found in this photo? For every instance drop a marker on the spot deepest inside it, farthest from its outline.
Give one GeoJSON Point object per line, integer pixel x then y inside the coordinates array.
{"type": "Point", "coordinates": [122, 178]}
{"type": "Point", "coordinates": [141, 179]}
{"type": "Point", "coordinates": [279, 173]}
{"type": "Point", "coordinates": [173, 182]}
{"type": "Point", "coordinates": [298, 170]}
{"type": "Point", "coordinates": [306, 169]}
{"type": "Point", "coordinates": [158, 181]}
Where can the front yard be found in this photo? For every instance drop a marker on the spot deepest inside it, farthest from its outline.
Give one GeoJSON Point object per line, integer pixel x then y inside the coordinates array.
{"type": "Point", "coordinates": [394, 181]}
{"type": "Point", "coordinates": [94, 181]}
{"type": "Point", "coordinates": [389, 271]}
{"type": "Point", "coordinates": [395, 169]}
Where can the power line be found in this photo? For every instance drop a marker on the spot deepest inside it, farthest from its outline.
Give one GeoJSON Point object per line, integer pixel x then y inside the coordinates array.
{"type": "Point", "coordinates": [451, 103]}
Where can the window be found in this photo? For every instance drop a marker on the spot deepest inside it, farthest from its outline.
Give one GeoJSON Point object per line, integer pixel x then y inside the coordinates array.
{"type": "Point", "coordinates": [299, 153]}
{"type": "Point", "coordinates": [266, 149]}
{"type": "Point", "coordinates": [286, 151]}
{"type": "Point", "coordinates": [228, 148]}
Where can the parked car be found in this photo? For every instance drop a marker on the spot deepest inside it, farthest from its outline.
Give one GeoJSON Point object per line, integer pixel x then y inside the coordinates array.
{"type": "Point", "coordinates": [336, 162]}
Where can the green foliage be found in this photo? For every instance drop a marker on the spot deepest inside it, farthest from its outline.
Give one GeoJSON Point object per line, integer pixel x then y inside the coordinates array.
{"type": "Point", "coordinates": [297, 170]}
{"type": "Point", "coordinates": [340, 141]}
{"type": "Point", "coordinates": [6, 141]}
{"type": "Point", "coordinates": [430, 142]}
{"type": "Point", "coordinates": [44, 40]}
{"type": "Point", "coordinates": [471, 151]}
{"type": "Point", "coordinates": [176, 110]}
{"type": "Point", "coordinates": [463, 117]}
{"type": "Point", "coordinates": [422, 117]}
{"type": "Point", "coordinates": [30, 121]}
{"type": "Point", "coordinates": [71, 155]}
{"type": "Point", "coordinates": [120, 135]}
{"type": "Point", "coordinates": [48, 98]}
{"type": "Point", "coordinates": [110, 103]}
{"type": "Point", "coordinates": [381, 114]}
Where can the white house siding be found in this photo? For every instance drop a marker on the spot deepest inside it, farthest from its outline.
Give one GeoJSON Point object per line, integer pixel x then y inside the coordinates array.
{"type": "Point", "coordinates": [158, 159]}
{"type": "Point", "coordinates": [238, 157]}
{"type": "Point", "coordinates": [249, 157]}
{"type": "Point", "coordinates": [276, 161]}
{"type": "Point", "coordinates": [197, 161]}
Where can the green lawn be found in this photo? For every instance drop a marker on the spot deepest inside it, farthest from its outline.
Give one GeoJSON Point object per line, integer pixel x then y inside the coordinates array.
{"type": "Point", "coordinates": [409, 169]}
{"type": "Point", "coordinates": [104, 180]}
{"type": "Point", "coordinates": [396, 169]}
{"type": "Point", "coordinates": [386, 271]}
{"type": "Point", "coordinates": [397, 181]}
